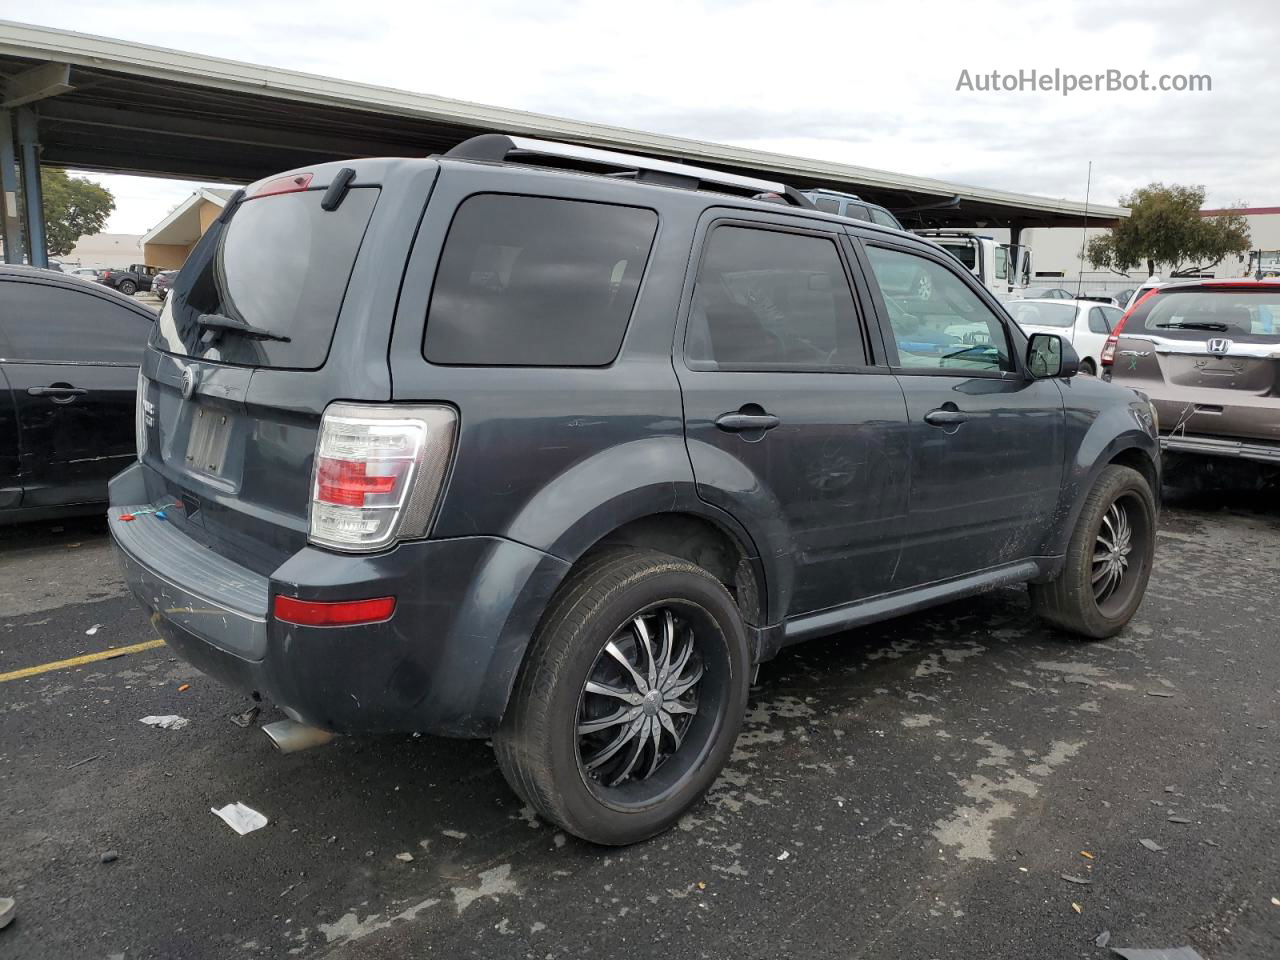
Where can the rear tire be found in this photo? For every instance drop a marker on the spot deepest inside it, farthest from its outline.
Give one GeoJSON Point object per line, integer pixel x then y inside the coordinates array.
{"type": "Point", "coordinates": [1087, 368]}
{"type": "Point", "coordinates": [128, 288]}
{"type": "Point", "coordinates": [1108, 560]}
{"type": "Point", "coordinates": [665, 642]}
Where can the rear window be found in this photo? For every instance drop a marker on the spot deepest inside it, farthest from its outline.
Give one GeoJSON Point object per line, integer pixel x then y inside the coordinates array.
{"type": "Point", "coordinates": [1043, 314]}
{"type": "Point", "coordinates": [535, 281]}
{"type": "Point", "coordinates": [281, 264]}
{"type": "Point", "coordinates": [1203, 314]}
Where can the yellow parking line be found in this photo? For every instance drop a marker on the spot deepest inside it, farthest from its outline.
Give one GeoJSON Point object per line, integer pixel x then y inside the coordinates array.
{"type": "Point", "coordinates": [78, 661]}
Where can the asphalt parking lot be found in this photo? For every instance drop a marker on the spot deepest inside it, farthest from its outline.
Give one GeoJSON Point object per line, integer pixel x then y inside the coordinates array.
{"type": "Point", "coordinates": [922, 789]}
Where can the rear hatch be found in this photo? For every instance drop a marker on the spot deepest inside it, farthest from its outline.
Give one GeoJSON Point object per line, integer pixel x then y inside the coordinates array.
{"type": "Point", "coordinates": [240, 367]}
{"type": "Point", "coordinates": [1209, 356]}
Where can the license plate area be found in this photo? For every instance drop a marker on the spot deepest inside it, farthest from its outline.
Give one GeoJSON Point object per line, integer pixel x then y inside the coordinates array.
{"type": "Point", "coordinates": [208, 442]}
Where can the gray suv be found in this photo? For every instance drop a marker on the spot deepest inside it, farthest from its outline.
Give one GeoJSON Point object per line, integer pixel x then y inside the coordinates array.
{"type": "Point", "coordinates": [553, 445]}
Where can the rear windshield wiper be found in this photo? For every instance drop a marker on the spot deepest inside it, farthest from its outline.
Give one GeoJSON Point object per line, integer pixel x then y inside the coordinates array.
{"type": "Point", "coordinates": [224, 324]}
{"type": "Point", "coordinates": [1193, 325]}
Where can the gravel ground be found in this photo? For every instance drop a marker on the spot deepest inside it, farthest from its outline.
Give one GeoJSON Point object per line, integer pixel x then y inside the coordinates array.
{"type": "Point", "coordinates": [921, 789]}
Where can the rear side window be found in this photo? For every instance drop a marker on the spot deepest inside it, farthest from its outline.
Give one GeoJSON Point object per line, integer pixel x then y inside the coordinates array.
{"type": "Point", "coordinates": [769, 300]}
{"type": "Point", "coordinates": [1098, 321]}
{"type": "Point", "coordinates": [827, 204]}
{"type": "Point", "coordinates": [51, 324]}
{"type": "Point", "coordinates": [858, 211]}
{"type": "Point", "coordinates": [281, 264]}
{"type": "Point", "coordinates": [884, 218]}
{"type": "Point", "coordinates": [537, 281]}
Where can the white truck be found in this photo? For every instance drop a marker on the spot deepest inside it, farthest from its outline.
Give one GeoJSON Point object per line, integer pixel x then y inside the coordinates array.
{"type": "Point", "coordinates": [1003, 268]}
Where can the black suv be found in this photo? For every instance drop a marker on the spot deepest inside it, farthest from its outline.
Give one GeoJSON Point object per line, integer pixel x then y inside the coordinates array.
{"type": "Point", "coordinates": [552, 445]}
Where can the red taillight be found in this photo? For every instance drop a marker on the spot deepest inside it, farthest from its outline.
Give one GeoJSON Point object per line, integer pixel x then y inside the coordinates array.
{"type": "Point", "coordinates": [290, 184]}
{"type": "Point", "coordinates": [106, 274]}
{"type": "Point", "coordinates": [379, 470]}
{"type": "Point", "coordinates": [347, 482]}
{"type": "Point", "coordinates": [1108, 356]}
{"type": "Point", "coordinates": [343, 613]}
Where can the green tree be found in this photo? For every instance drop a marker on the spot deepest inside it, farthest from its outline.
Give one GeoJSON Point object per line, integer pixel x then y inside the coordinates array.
{"type": "Point", "coordinates": [73, 208]}
{"type": "Point", "coordinates": [1164, 227]}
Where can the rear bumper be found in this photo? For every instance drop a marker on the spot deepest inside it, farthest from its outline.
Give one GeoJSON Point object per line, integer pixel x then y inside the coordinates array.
{"type": "Point", "coordinates": [1219, 447]}
{"type": "Point", "coordinates": [444, 663]}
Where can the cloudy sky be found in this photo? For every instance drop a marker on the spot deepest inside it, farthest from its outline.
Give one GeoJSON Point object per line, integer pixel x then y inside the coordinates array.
{"type": "Point", "coordinates": [859, 82]}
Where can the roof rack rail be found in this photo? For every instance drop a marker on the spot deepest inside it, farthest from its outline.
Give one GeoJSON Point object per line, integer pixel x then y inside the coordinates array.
{"type": "Point", "coordinates": [499, 147]}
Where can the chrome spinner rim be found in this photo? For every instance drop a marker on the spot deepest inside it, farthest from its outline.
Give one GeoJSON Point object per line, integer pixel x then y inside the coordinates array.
{"type": "Point", "coordinates": [1111, 553]}
{"type": "Point", "coordinates": [639, 699]}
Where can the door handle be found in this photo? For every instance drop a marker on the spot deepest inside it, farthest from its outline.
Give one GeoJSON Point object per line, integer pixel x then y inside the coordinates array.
{"type": "Point", "coordinates": [745, 422]}
{"type": "Point", "coordinates": [57, 391]}
{"type": "Point", "coordinates": [945, 418]}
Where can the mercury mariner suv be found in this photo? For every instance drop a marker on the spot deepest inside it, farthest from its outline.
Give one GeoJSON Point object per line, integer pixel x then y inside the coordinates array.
{"type": "Point", "coordinates": [553, 445]}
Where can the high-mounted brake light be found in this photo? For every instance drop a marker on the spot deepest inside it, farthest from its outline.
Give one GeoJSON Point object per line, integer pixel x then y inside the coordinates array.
{"type": "Point", "coordinates": [290, 184]}
{"type": "Point", "coordinates": [342, 613]}
{"type": "Point", "coordinates": [378, 473]}
{"type": "Point", "coordinates": [1108, 356]}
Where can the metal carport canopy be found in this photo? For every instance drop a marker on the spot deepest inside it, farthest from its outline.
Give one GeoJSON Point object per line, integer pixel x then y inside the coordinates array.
{"type": "Point", "coordinates": [138, 109]}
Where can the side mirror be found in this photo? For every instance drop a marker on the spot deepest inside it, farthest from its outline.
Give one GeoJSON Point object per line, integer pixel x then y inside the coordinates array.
{"type": "Point", "coordinates": [1050, 356]}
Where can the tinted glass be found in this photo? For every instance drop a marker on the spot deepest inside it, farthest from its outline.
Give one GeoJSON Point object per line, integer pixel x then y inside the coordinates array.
{"type": "Point", "coordinates": [858, 211]}
{"type": "Point", "coordinates": [53, 324]}
{"type": "Point", "coordinates": [827, 205]}
{"type": "Point", "coordinates": [1201, 315]}
{"type": "Point", "coordinates": [965, 252]}
{"type": "Point", "coordinates": [1042, 314]}
{"type": "Point", "coordinates": [772, 300]}
{"type": "Point", "coordinates": [532, 281]}
{"type": "Point", "coordinates": [1098, 321]}
{"type": "Point", "coordinates": [938, 322]}
{"type": "Point", "coordinates": [1112, 316]}
{"type": "Point", "coordinates": [884, 218]}
{"type": "Point", "coordinates": [281, 264]}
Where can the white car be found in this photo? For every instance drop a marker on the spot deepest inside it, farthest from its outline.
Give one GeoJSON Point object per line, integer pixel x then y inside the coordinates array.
{"type": "Point", "coordinates": [1086, 323]}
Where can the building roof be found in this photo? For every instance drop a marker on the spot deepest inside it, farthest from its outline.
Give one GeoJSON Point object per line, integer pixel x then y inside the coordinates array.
{"type": "Point", "coordinates": [134, 108]}
{"type": "Point", "coordinates": [182, 225]}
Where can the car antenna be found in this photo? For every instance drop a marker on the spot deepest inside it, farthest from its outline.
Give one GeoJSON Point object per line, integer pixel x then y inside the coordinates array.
{"type": "Point", "coordinates": [1084, 230]}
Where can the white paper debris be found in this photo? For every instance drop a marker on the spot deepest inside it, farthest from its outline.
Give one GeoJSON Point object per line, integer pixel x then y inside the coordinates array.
{"type": "Point", "coordinates": [240, 818]}
{"type": "Point", "coordinates": [167, 722]}
{"type": "Point", "coordinates": [406, 857]}
{"type": "Point", "coordinates": [784, 854]}
{"type": "Point", "coordinates": [92, 630]}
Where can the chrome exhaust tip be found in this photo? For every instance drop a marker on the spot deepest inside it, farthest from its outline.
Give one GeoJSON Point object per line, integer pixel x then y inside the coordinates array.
{"type": "Point", "coordinates": [289, 736]}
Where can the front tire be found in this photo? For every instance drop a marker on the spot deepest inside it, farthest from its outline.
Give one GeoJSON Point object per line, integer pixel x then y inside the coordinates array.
{"type": "Point", "coordinates": [1108, 560]}
{"type": "Point", "coordinates": [630, 697]}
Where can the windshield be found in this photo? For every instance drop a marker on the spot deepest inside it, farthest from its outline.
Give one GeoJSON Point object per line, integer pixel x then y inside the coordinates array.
{"type": "Point", "coordinates": [965, 252]}
{"type": "Point", "coordinates": [1043, 314]}
{"type": "Point", "coordinates": [281, 265]}
{"type": "Point", "coordinates": [1248, 315]}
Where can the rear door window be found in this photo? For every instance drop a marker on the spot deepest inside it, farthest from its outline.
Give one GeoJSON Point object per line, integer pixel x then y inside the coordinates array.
{"type": "Point", "coordinates": [51, 324]}
{"type": "Point", "coordinates": [537, 281]}
{"type": "Point", "coordinates": [773, 300]}
{"type": "Point", "coordinates": [280, 264]}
